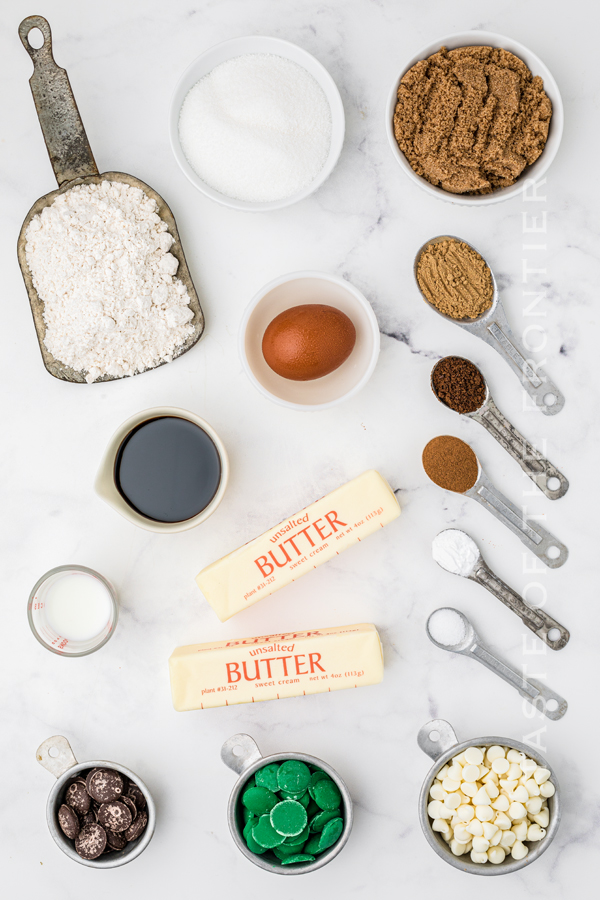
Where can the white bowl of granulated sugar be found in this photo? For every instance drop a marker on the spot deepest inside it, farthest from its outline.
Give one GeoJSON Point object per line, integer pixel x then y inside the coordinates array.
{"type": "Point", "coordinates": [256, 123]}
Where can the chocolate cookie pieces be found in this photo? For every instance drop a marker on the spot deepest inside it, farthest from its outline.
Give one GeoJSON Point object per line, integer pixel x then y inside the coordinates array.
{"type": "Point", "coordinates": [102, 811]}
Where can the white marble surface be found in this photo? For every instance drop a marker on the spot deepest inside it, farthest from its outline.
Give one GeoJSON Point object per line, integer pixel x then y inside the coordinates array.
{"type": "Point", "coordinates": [123, 58]}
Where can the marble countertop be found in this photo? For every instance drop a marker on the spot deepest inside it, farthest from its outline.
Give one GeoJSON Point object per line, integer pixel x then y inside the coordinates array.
{"type": "Point", "coordinates": [124, 58]}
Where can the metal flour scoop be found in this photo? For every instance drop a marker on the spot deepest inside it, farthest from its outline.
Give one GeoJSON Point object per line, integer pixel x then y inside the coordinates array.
{"type": "Point", "coordinates": [73, 163]}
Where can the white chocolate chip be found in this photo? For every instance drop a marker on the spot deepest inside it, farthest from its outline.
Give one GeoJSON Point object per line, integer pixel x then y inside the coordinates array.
{"type": "Point", "coordinates": [515, 756]}
{"type": "Point", "coordinates": [533, 806]}
{"type": "Point", "coordinates": [495, 752]}
{"type": "Point", "coordinates": [502, 821]}
{"type": "Point", "coordinates": [450, 784]}
{"type": "Point", "coordinates": [434, 809]}
{"type": "Point", "coordinates": [501, 803]}
{"type": "Point", "coordinates": [465, 812]}
{"type": "Point", "coordinates": [455, 773]}
{"type": "Point", "coordinates": [520, 830]}
{"type": "Point", "coordinates": [475, 828]}
{"type": "Point", "coordinates": [473, 756]}
{"type": "Point", "coordinates": [478, 857]}
{"type": "Point", "coordinates": [462, 835]}
{"type": "Point", "coordinates": [485, 813]}
{"type": "Point", "coordinates": [535, 833]}
{"type": "Point", "coordinates": [457, 848]}
{"type": "Point", "coordinates": [480, 844]}
{"type": "Point", "coordinates": [492, 790]}
{"type": "Point", "coordinates": [520, 794]}
{"type": "Point", "coordinates": [519, 850]}
{"type": "Point", "coordinates": [437, 792]}
{"type": "Point", "coordinates": [508, 785]}
{"type": "Point", "coordinates": [470, 773]}
{"type": "Point", "coordinates": [541, 774]}
{"type": "Point", "coordinates": [542, 818]}
{"type": "Point", "coordinates": [500, 765]}
{"type": "Point", "coordinates": [529, 766]}
{"type": "Point", "coordinates": [440, 825]}
{"type": "Point", "coordinates": [497, 838]}
{"type": "Point", "coordinates": [496, 855]}
{"type": "Point", "coordinates": [547, 789]}
{"type": "Point", "coordinates": [517, 811]}
{"type": "Point", "coordinates": [482, 798]}
{"type": "Point", "coordinates": [533, 788]}
{"type": "Point", "coordinates": [515, 772]}
{"type": "Point", "coordinates": [508, 839]}
{"type": "Point", "coordinates": [469, 788]}
{"type": "Point", "coordinates": [453, 801]}
{"type": "Point", "coordinates": [489, 830]}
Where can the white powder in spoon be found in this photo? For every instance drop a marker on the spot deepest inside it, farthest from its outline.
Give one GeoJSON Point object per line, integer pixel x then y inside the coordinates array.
{"type": "Point", "coordinates": [99, 258]}
{"type": "Point", "coordinates": [455, 551]}
{"type": "Point", "coordinates": [256, 128]}
{"type": "Point", "coordinates": [446, 627]}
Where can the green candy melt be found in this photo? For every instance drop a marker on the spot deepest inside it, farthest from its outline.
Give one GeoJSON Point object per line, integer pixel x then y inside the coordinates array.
{"type": "Point", "coordinates": [289, 818]}
{"type": "Point", "coordinates": [250, 842]}
{"type": "Point", "coordinates": [293, 776]}
{"type": "Point", "coordinates": [259, 800]}
{"type": "Point", "coordinates": [267, 777]}
{"type": "Point", "coordinates": [331, 833]}
{"type": "Point", "coordinates": [322, 818]}
{"type": "Point", "coordinates": [265, 835]}
{"type": "Point", "coordinates": [327, 794]}
{"type": "Point", "coordinates": [299, 858]}
{"type": "Point", "coordinates": [312, 846]}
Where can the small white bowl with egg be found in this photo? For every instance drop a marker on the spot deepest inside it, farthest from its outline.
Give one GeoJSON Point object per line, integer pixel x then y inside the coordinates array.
{"type": "Point", "coordinates": [298, 289]}
{"type": "Point", "coordinates": [239, 47]}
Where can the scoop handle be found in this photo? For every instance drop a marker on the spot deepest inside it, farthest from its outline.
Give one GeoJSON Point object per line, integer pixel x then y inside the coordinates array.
{"type": "Point", "coordinates": [537, 694]}
{"type": "Point", "coordinates": [537, 539]}
{"type": "Point", "coordinates": [498, 334]}
{"type": "Point", "coordinates": [536, 620]}
{"type": "Point", "coordinates": [536, 466]}
{"type": "Point", "coordinates": [67, 143]}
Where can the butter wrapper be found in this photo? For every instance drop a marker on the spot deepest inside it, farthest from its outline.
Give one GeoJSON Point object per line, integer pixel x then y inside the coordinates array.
{"type": "Point", "coordinates": [275, 666]}
{"type": "Point", "coordinates": [299, 544]}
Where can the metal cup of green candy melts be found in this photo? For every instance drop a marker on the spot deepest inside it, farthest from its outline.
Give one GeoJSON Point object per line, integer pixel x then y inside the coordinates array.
{"type": "Point", "coordinates": [439, 741]}
{"type": "Point", "coordinates": [241, 754]}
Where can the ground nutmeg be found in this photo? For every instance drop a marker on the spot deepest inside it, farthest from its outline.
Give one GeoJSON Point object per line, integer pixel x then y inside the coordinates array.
{"type": "Point", "coordinates": [450, 463]}
{"type": "Point", "coordinates": [459, 384]}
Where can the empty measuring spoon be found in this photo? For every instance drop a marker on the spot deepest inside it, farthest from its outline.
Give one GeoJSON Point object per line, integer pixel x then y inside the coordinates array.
{"type": "Point", "coordinates": [446, 452]}
{"type": "Point", "coordinates": [449, 629]}
{"type": "Point", "coordinates": [493, 328]}
{"type": "Point", "coordinates": [456, 552]}
{"type": "Point", "coordinates": [537, 467]}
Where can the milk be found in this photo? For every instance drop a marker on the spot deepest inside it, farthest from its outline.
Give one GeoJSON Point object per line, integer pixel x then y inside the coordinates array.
{"type": "Point", "coordinates": [77, 606]}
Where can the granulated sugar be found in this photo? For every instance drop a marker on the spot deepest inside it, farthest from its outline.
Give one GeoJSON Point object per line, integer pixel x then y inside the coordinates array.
{"type": "Point", "coordinates": [99, 258]}
{"type": "Point", "coordinates": [446, 627]}
{"type": "Point", "coordinates": [257, 128]}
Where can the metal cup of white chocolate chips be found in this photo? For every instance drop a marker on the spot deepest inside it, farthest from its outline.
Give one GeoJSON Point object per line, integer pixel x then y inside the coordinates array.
{"type": "Point", "coordinates": [488, 806]}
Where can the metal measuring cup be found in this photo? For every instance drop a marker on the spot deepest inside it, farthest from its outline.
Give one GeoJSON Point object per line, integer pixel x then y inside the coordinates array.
{"type": "Point", "coordinates": [540, 696]}
{"type": "Point", "coordinates": [241, 754]}
{"type": "Point", "coordinates": [56, 755]}
{"type": "Point", "coordinates": [439, 741]}
{"type": "Point", "coordinates": [537, 620]}
{"type": "Point", "coordinates": [493, 328]}
{"type": "Point", "coordinates": [536, 538]}
{"type": "Point", "coordinates": [535, 466]}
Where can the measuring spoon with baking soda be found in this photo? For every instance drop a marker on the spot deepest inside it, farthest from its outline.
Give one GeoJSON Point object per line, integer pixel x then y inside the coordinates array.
{"type": "Point", "coordinates": [493, 328]}
{"type": "Point", "coordinates": [449, 629]}
{"type": "Point", "coordinates": [74, 164]}
{"type": "Point", "coordinates": [452, 465]}
{"type": "Point", "coordinates": [541, 471]}
{"type": "Point", "coordinates": [456, 552]}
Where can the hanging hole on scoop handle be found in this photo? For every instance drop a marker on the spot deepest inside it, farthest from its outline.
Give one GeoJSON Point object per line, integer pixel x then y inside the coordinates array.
{"type": "Point", "coordinates": [239, 752]}
{"type": "Point", "coordinates": [436, 738]}
{"type": "Point", "coordinates": [36, 26]}
{"type": "Point", "coordinates": [56, 755]}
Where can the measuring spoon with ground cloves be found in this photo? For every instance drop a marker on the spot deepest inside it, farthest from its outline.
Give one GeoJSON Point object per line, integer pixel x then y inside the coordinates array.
{"type": "Point", "coordinates": [493, 328]}
{"type": "Point", "coordinates": [453, 466]}
{"type": "Point", "coordinates": [459, 385]}
{"type": "Point", "coordinates": [543, 625]}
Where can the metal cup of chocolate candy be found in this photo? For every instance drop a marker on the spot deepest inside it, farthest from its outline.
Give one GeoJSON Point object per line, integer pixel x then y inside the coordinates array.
{"type": "Point", "coordinates": [103, 821]}
{"type": "Point", "coordinates": [524, 833]}
{"type": "Point", "coordinates": [241, 754]}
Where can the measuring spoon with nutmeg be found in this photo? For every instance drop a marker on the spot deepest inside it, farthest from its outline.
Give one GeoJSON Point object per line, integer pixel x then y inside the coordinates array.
{"type": "Point", "coordinates": [476, 569]}
{"type": "Point", "coordinates": [493, 328]}
{"type": "Point", "coordinates": [541, 471]}
{"type": "Point", "coordinates": [453, 465]}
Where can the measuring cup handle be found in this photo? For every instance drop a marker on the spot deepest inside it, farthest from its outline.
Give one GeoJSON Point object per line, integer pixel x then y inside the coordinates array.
{"type": "Point", "coordinates": [68, 147]}
{"type": "Point", "coordinates": [61, 760]}
{"type": "Point", "coordinates": [536, 466]}
{"type": "Point", "coordinates": [445, 740]}
{"type": "Point", "coordinates": [536, 620]}
{"type": "Point", "coordinates": [533, 378]}
{"type": "Point", "coordinates": [537, 539]}
{"type": "Point", "coordinates": [239, 752]}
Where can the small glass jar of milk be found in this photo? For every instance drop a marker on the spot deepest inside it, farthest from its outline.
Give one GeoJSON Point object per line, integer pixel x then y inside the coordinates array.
{"type": "Point", "coordinates": [72, 610]}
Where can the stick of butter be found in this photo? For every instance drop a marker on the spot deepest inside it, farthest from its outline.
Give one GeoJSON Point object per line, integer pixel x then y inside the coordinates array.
{"type": "Point", "coordinates": [299, 544]}
{"type": "Point", "coordinates": [275, 666]}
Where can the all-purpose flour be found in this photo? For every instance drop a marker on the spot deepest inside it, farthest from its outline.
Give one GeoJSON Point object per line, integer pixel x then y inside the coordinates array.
{"type": "Point", "coordinates": [99, 258]}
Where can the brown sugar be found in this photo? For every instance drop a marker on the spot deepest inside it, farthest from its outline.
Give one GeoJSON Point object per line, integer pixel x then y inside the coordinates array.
{"type": "Point", "coordinates": [450, 463]}
{"type": "Point", "coordinates": [455, 279]}
{"type": "Point", "coordinates": [459, 384]}
{"type": "Point", "coordinates": [470, 120]}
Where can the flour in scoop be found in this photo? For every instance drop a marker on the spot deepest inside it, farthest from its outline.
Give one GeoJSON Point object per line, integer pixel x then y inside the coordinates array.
{"type": "Point", "coordinates": [257, 128]}
{"type": "Point", "coordinates": [100, 262]}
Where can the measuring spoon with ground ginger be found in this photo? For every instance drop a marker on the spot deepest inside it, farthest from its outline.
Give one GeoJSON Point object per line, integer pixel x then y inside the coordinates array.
{"type": "Point", "coordinates": [452, 465]}
{"type": "Point", "coordinates": [450, 377]}
{"type": "Point", "coordinates": [493, 328]}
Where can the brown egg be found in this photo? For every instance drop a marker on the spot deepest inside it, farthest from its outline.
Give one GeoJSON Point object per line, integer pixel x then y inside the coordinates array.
{"type": "Point", "coordinates": [308, 341]}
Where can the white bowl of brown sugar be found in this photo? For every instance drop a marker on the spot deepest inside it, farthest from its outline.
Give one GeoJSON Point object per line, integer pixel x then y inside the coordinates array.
{"type": "Point", "coordinates": [472, 127]}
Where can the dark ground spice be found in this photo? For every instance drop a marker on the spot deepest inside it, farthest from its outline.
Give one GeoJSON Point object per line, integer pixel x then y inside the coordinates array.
{"type": "Point", "coordinates": [459, 384]}
{"type": "Point", "coordinates": [450, 463]}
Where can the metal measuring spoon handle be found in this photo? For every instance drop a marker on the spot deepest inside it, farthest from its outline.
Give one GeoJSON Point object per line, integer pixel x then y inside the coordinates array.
{"type": "Point", "coordinates": [68, 146]}
{"type": "Point", "coordinates": [536, 466]}
{"type": "Point", "coordinates": [537, 694]}
{"type": "Point", "coordinates": [535, 538]}
{"type": "Point", "coordinates": [495, 331]}
{"type": "Point", "coordinates": [536, 620]}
